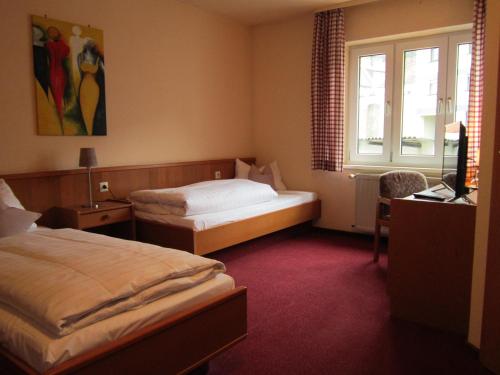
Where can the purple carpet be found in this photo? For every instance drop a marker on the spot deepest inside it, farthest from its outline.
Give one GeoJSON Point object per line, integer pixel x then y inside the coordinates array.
{"type": "Point", "coordinates": [318, 305]}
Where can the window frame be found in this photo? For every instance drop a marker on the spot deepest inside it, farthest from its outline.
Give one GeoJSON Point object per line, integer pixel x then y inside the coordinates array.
{"type": "Point", "coordinates": [455, 39]}
{"type": "Point", "coordinates": [391, 156]}
{"type": "Point", "coordinates": [355, 54]}
{"type": "Point", "coordinates": [400, 48]}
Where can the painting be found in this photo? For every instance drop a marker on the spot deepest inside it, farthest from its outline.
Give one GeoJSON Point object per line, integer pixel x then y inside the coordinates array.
{"type": "Point", "coordinates": [69, 78]}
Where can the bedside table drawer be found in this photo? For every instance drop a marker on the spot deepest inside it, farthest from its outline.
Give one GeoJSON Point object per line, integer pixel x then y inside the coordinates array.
{"type": "Point", "coordinates": [95, 219]}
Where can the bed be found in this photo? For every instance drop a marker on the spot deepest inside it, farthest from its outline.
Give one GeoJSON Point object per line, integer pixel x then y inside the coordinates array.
{"type": "Point", "coordinates": [211, 227]}
{"type": "Point", "coordinates": [171, 319]}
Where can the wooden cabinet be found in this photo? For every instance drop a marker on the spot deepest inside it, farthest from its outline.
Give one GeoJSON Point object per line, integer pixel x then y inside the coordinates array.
{"type": "Point", "coordinates": [431, 247]}
{"type": "Point", "coordinates": [107, 213]}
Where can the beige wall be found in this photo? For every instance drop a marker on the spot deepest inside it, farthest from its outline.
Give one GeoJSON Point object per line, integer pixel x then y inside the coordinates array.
{"type": "Point", "coordinates": [178, 85]}
{"type": "Point", "coordinates": [281, 100]}
{"type": "Point", "coordinates": [388, 17]}
{"type": "Point", "coordinates": [281, 108]}
{"type": "Point", "coordinates": [486, 163]}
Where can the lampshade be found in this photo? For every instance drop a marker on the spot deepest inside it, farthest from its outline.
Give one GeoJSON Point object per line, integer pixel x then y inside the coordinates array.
{"type": "Point", "coordinates": [87, 157]}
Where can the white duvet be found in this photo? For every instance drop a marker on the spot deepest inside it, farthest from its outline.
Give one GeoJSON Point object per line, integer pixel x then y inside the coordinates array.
{"type": "Point", "coordinates": [203, 197]}
{"type": "Point", "coordinates": [66, 279]}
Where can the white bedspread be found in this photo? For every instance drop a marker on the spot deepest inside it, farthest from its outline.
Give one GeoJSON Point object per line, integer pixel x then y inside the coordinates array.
{"type": "Point", "coordinates": [42, 351]}
{"type": "Point", "coordinates": [67, 279]}
{"type": "Point", "coordinates": [203, 197]}
{"type": "Point", "coordinates": [286, 199]}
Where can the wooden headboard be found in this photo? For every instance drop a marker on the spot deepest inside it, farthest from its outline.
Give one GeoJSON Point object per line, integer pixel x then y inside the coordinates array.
{"type": "Point", "coordinates": [42, 191]}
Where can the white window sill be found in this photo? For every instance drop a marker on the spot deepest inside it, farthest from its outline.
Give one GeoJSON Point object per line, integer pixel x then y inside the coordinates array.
{"type": "Point", "coordinates": [376, 169]}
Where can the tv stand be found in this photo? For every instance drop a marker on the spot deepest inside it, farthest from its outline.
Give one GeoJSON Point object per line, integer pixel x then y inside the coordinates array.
{"type": "Point", "coordinates": [430, 256]}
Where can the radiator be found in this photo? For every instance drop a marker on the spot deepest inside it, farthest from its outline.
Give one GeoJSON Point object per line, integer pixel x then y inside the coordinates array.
{"type": "Point", "coordinates": [367, 192]}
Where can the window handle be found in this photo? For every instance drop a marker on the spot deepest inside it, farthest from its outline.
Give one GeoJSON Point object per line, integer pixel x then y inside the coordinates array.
{"type": "Point", "coordinates": [388, 108]}
{"type": "Point", "coordinates": [440, 105]}
{"type": "Point", "coordinates": [449, 104]}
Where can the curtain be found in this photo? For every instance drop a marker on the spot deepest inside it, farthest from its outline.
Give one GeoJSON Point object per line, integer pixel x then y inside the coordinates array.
{"type": "Point", "coordinates": [476, 87]}
{"type": "Point", "coordinates": [327, 91]}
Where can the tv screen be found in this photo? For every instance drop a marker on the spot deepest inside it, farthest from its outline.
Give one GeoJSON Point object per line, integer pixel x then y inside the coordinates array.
{"type": "Point", "coordinates": [455, 158]}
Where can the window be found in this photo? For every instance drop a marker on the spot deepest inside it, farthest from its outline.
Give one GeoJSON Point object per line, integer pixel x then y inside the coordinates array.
{"type": "Point", "coordinates": [401, 94]}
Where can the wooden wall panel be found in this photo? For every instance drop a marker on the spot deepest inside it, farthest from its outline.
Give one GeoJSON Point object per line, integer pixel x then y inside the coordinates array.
{"type": "Point", "coordinates": [43, 191]}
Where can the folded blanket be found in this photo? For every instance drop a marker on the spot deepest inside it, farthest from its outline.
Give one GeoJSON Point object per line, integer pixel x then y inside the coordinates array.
{"type": "Point", "coordinates": [67, 279]}
{"type": "Point", "coordinates": [205, 197]}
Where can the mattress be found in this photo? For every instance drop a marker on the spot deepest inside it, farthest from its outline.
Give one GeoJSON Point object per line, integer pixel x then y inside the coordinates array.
{"type": "Point", "coordinates": [24, 339]}
{"type": "Point", "coordinates": [285, 199]}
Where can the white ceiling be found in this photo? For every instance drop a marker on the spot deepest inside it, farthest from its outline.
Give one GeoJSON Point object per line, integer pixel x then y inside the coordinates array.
{"type": "Point", "coordinates": [254, 12]}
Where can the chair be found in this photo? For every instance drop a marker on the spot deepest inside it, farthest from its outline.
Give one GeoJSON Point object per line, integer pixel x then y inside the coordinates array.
{"type": "Point", "coordinates": [394, 184]}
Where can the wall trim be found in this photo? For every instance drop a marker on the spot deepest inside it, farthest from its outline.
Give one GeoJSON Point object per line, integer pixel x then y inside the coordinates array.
{"type": "Point", "coordinates": [65, 172]}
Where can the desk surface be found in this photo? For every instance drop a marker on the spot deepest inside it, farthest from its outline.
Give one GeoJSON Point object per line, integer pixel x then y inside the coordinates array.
{"type": "Point", "coordinates": [441, 190]}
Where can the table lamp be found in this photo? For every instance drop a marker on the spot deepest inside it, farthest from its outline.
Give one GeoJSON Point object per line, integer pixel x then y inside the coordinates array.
{"type": "Point", "coordinates": [88, 160]}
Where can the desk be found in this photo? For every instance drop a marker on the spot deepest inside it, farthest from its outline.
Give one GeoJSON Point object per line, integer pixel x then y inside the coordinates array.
{"type": "Point", "coordinates": [431, 247]}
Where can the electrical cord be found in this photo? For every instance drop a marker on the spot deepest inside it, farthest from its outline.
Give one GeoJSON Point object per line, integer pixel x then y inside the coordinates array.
{"type": "Point", "coordinates": [112, 194]}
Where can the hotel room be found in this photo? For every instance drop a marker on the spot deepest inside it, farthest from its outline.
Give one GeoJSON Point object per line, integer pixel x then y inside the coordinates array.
{"type": "Point", "coordinates": [204, 186]}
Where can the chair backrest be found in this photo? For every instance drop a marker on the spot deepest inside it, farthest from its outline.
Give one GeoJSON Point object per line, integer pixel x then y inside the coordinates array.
{"type": "Point", "coordinates": [450, 179]}
{"type": "Point", "coordinates": [400, 184]}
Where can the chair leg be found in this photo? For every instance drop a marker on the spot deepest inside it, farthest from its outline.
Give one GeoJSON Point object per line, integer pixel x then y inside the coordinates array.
{"type": "Point", "coordinates": [376, 243]}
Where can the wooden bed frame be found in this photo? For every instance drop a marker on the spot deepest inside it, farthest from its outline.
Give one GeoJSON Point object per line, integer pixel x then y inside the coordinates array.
{"type": "Point", "coordinates": [189, 339]}
{"type": "Point", "coordinates": [177, 344]}
{"type": "Point", "coordinates": [174, 345]}
{"type": "Point", "coordinates": [45, 191]}
{"type": "Point", "coordinates": [213, 239]}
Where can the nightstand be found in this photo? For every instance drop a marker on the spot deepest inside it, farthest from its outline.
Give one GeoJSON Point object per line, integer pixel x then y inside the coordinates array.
{"type": "Point", "coordinates": [98, 219]}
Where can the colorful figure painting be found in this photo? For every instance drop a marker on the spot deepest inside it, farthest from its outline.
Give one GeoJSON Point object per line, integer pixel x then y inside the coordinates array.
{"type": "Point", "coordinates": [69, 78]}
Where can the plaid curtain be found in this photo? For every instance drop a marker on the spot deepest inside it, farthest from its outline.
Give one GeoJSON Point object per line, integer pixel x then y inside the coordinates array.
{"type": "Point", "coordinates": [327, 91]}
{"type": "Point", "coordinates": [476, 86]}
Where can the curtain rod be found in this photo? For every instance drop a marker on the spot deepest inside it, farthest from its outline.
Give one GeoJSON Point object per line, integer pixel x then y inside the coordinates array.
{"type": "Point", "coordinates": [345, 4]}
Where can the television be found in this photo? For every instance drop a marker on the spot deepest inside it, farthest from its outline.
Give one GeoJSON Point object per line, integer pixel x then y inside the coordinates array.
{"type": "Point", "coordinates": [455, 159]}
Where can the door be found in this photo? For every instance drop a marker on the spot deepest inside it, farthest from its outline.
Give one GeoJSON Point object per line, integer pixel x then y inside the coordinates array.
{"type": "Point", "coordinates": [490, 336]}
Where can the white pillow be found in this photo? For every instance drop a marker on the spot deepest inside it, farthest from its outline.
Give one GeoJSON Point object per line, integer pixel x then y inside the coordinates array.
{"type": "Point", "coordinates": [242, 169]}
{"type": "Point", "coordinates": [8, 199]}
{"type": "Point", "coordinates": [278, 181]}
{"type": "Point", "coordinates": [15, 220]}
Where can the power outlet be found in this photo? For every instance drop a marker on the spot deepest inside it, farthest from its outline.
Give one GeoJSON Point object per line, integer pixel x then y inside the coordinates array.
{"type": "Point", "coordinates": [103, 186]}
{"type": "Point", "coordinates": [218, 175]}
